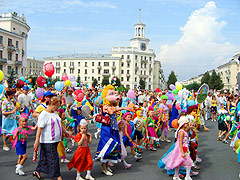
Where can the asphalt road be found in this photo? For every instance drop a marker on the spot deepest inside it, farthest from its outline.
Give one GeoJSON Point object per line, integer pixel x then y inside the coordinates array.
{"type": "Point", "coordinates": [219, 162]}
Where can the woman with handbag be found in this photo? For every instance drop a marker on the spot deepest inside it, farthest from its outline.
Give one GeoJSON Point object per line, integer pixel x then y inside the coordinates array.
{"type": "Point", "coordinates": [109, 147]}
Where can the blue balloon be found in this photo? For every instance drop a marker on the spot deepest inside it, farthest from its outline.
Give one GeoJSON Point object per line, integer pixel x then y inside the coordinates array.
{"type": "Point", "coordinates": [49, 82]}
{"type": "Point", "coordinates": [191, 102]}
{"type": "Point", "coordinates": [1, 88]}
{"type": "Point", "coordinates": [177, 97]}
{"type": "Point", "coordinates": [27, 81]}
{"type": "Point", "coordinates": [58, 86]}
{"type": "Point", "coordinates": [22, 78]}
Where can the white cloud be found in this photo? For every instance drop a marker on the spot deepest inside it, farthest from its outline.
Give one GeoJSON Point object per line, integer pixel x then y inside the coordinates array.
{"type": "Point", "coordinates": [201, 46]}
{"type": "Point", "coordinates": [53, 6]}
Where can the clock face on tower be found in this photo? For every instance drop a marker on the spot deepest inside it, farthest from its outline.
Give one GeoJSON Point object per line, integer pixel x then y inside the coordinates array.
{"type": "Point", "coordinates": [143, 46]}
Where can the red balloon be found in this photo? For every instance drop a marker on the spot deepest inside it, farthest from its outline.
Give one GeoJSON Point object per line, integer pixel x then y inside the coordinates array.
{"type": "Point", "coordinates": [41, 81]}
{"type": "Point", "coordinates": [20, 84]}
{"type": "Point", "coordinates": [175, 123]}
{"type": "Point", "coordinates": [64, 77]}
{"type": "Point", "coordinates": [78, 95]}
{"type": "Point", "coordinates": [48, 69]}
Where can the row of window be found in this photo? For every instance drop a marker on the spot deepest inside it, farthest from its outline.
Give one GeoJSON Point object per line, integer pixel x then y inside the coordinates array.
{"type": "Point", "coordinates": [33, 65]}
{"type": "Point", "coordinates": [10, 42]}
{"type": "Point", "coordinates": [136, 57]}
{"type": "Point", "coordinates": [105, 71]}
{"type": "Point", "coordinates": [86, 64]}
{"type": "Point", "coordinates": [9, 68]}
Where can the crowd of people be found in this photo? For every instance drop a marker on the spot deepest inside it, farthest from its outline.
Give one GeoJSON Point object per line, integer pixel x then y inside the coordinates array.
{"type": "Point", "coordinates": [138, 119]}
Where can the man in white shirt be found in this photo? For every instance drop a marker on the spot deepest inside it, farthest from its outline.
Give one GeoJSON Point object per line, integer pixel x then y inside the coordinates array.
{"type": "Point", "coordinates": [25, 101]}
{"type": "Point", "coordinates": [208, 105]}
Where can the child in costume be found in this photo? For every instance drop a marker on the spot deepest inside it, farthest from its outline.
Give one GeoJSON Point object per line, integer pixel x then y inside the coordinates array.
{"type": "Point", "coordinates": [82, 159]}
{"type": "Point", "coordinates": [128, 135]}
{"type": "Point", "coordinates": [222, 123]}
{"type": "Point", "coordinates": [214, 108]}
{"type": "Point", "coordinates": [20, 136]}
{"type": "Point", "coordinates": [179, 156]}
{"type": "Point", "coordinates": [151, 134]}
{"type": "Point", "coordinates": [121, 125]}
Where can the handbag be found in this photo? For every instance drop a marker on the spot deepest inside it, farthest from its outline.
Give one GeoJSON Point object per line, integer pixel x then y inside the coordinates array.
{"type": "Point", "coordinates": [105, 120]}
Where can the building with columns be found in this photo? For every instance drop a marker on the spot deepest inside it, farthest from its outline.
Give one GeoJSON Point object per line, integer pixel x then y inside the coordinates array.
{"type": "Point", "coordinates": [129, 64]}
{"type": "Point", "coordinates": [13, 43]}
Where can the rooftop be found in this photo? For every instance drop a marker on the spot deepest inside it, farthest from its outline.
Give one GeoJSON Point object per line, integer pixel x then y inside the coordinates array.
{"type": "Point", "coordinates": [76, 56]}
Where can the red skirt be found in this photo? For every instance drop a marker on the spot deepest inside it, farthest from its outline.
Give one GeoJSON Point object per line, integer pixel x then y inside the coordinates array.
{"type": "Point", "coordinates": [81, 160]}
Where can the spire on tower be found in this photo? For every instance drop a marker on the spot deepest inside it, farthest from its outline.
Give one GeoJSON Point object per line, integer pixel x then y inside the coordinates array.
{"type": "Point", "coordinates": [140, 9]}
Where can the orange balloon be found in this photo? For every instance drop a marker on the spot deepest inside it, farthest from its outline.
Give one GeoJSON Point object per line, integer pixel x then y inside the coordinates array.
{"type": "Point", "coordinates": [30, 80]}
{"type": "Point", "coordinates": [175, 123]}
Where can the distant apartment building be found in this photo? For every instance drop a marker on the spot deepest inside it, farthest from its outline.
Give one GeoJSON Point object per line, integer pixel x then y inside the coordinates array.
{"type": "Point", "coordinates": [34, 66]}
{"type": "Point", "coordinates": [13, 43]}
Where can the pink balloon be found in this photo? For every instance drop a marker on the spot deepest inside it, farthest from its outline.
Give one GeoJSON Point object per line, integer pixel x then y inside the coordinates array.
{"type": "Point", "coordinates": [178, 106]}
{"type": "Point", "coordinates": [131, 94]}
{"type": "Point", "coordinates": [180, 94]}
{"type": "Point", "coordinates": [64, 77]}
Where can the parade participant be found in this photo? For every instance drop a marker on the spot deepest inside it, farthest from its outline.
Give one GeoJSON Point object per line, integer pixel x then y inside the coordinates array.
{"type": "Point", "coordinates": [214, 107]}
{"type": "Point", "coordinates": [179, 155]}
{"type": "Point", "coordinates": [49, 134]}
{"type": "Point", "coordinates": [128, 134]}
{"type": "Point", "coordinates": [151, 134]}
{"type": "Point", "coordinates": [76, 114]}
{"type": "Point", "coordinates": [82, 159]}
{"type": "Point", "coordinates": [8, 116]}
{"type": "Point", "coordinates": [164, 108]}
{"type": "Point", "coordinates": [109, 146]}
{"type": "Point", "coordinates": [208, 106]}
{"type": "Point", "coordinates": [25, 101]}
{"type": "Point", "coordinates": [20, 136]}
{"type": "Point", "coordinates": [69, 96]}
{"type": "Point", "coordinates": [222, 123]}
{"type": "Point", "coordinates": [121, 126]}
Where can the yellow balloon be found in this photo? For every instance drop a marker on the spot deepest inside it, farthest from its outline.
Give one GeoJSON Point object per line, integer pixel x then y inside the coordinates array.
{"type": "Point", "coordinates": [68, 83]}
{"type": "Point", "coordinates": [1, 75]}
{"type": "Point", "coordinates": [237, 143]}
{"type": "Point", "coordinates": [179, 86]}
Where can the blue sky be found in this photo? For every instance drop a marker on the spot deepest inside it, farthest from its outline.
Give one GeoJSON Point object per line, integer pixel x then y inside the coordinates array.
{"type": "Point", "coordinates": [188, 36]}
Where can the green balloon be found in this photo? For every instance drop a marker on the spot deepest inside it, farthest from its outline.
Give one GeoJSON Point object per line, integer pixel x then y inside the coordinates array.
{"type": "Point", "coordinates": [175, 91]}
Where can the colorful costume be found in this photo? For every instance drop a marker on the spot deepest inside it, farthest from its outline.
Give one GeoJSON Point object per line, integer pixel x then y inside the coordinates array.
{"type": "Point", "coordinates": [9, 121]}
{"type": "Point", "coordinates": [151, 132]}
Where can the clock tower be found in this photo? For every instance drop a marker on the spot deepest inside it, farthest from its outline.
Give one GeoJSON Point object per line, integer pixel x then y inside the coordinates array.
{"type": "Point", "coordinates": [139, 41]}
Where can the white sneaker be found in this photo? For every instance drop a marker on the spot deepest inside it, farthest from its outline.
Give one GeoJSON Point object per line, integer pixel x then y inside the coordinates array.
{"type": "Point", "coordinates": [64, 161]}
{"type": "Point", "coordinates": [6, 148]}
{"type": "Point", "coordinates": [198, 159]}
{"type": "Point", "coordinates": [20, 171]}
{"type": "Point", "coordinates": [89, 177]}
{"type": "Point", "coordinates": [79, 178]}
{"type": "Point", "coordinates": [176, 178]}
{"type": "Point", "coordinates": [108, 173]}
{"type": "Point", "coordinates": [188, 178]}
{"type": "Point", "coordinates": [17, 169]}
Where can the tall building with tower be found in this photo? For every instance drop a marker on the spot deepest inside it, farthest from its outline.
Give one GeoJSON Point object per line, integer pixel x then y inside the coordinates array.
{"type": "Point", "coordinates": [129, 64]}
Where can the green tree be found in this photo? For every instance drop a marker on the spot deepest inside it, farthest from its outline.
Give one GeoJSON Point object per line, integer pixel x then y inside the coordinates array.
{"type": "Point", "coordinates": [34, 79]}
{"type": "Point", "coordinates": [105, 80]}
{"type": "Point", "coordinates": [171, 78]}
{"type": "Point", "coordinates": [95, 82]}
{"type": "Point", "coordinates": [205, 79]}
{"type": "Point", "coordinates": [142, 83]}
{"type": "Point", "coordinates": [194, 86]}
{"type": "Point", "coordinates": [11, 78]}
{"type": "Point", "coordinates": [215, 81]}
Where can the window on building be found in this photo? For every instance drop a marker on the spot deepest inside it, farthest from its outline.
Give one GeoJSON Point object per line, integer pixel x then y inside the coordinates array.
{"type": "Point", "coordinates": [141, 72]}
{"type": "Point", "coordinates": [135, 79]}
{"type": "Point", "coordinates": [85, 78]}
{"type": "Point", "coordinates": [1, 54]}
{"type": "Point", "coordinates": [1, 67]}
{"type": "Point", "coordinates": [122, 64]}
{"type": "Point", "coordinates": [128, 64]}
{"type": "Point", "coordinates": [16, 70]}
{"type": "Point", "coordinates": [145, 58]}
{"type": "Point", "coordinates": [85, 71]}
{"type": "Point", "coordinates": [106, 63]}
{"type": "Point", "coordinates": [141, 65]}
{"type": "Point", "coordinates": [127, 71]}
{"type": "Point", "coordinates": [9, 56]}
{"type": "Point", "coordinates": [92, 78]}
{"type": "Point", "coordinates": [149, 87]}
{"type": "Point", "coordinates": [136, 57]}
{"type": "Point", "coordinates": [9, 69]}
{"type": "Point", "coordinates": [86, 64]}
{"type": "Point", "coordinates": [128, 86]}
{"type": "Point", "coordinates": [16, 57]}
{"type": "Point", "coordinates": [78, 71]}
{"type": "Point", "coordinates": [79, 63]}
{"type": "Point", "coordinates": [64, 71]}
{"type": "Point", "coordinates": [135, 71]}
{"type": "Point", "coordinates": [57, 64]}
{"type": "Point", "coordinates": [145, 65]}
{"type": "Point", "coordinates": [71, 63]}
{"type": "Point", "coordinates": [71, 71]}
{"type": "Point", "coordinates": [121, 78]}
{"type": "Point", "coordinates": [122, 56]}
{"type": "Point", "coordinates": [30, 65]}
{"type": "Point", "coordinates": [92, 70]}
{"type": "Point", "coordinates": [122, 71]}
{"type": "Point", "coordinates": [135, 64]}
{"type": "Point", "coordinates": [144, 72]}
{"type": "Point", "coordinates": [33, 65]}
{"type": "Point", "coordinates": [128, 78]}
{"type": "Point", "coordinates": [57, 70]}
{"type": "Point", "coordinates": [141, 57]}
{"type": "Point", "coordinates": [128, 56]}
{"type": "Point", "coordinates": [22, 71]}
{"type": "Point", "coordinates": [149, 79]}
{"type": "Point", "coordinates": [99, 78]}
{"type": "Point", "coordinates": [30, 71]}
{"type": "Point", "coordinates": [10, 42]}
{"type": "Point", "coordinates": [99, 63]}
{"type": "Point", "coordinates": [113, 63]}
{"type": "Point", "coordinates": [150, 72]}
{"type": "Point", "coordinates": [16, 44]}
{"type": "Point", "coordinates": [64, 64]}
{"type": "Point", "coordinates": [106, 71]}
{"type": "Point", "coordinates": [99, 71]}
{"type": "Point", "coordinates": [150, 58]}
{"type": "Point", "coordinates": [92, 63]}
{"type": "Point", "coordinates": [1, 40]}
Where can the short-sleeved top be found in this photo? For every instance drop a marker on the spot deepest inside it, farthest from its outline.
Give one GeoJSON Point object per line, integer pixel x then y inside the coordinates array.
{"type": "Point", "coordinates": [139, 123]}
{"type": "Point", "coordinates": [24, 100]}
{"type": "Point", "coordinates": [51, 127]}
{"type": "Point", "coordinates": [164, 108]}
{"type": "Point", "coordinates": [78, 137]}
{"type": "Point", "coordinates": [69, 98]}
{"type": "Point", "coordinates": [214, 102]}
{"type": "Point", "coordinates": [8, 106]}
{"type": "Point", "coordinates": [129, 129]}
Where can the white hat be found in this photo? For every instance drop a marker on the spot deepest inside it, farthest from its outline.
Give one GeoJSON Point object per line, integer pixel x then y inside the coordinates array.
{"type": "Point", "coordinates": [190, 118]}
{"type": "Point", "coordinates": [83, 122]}
{"type": "Point", "coordinates": [183, 120]}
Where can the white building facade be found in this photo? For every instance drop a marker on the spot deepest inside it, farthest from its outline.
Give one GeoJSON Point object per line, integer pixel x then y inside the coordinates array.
{"type": "Point", "coordinates": [129, 64]}
{"type": "Point", "coordinates": [13, 43]}
{"type": "Point", "coordinates": [34, 66]}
